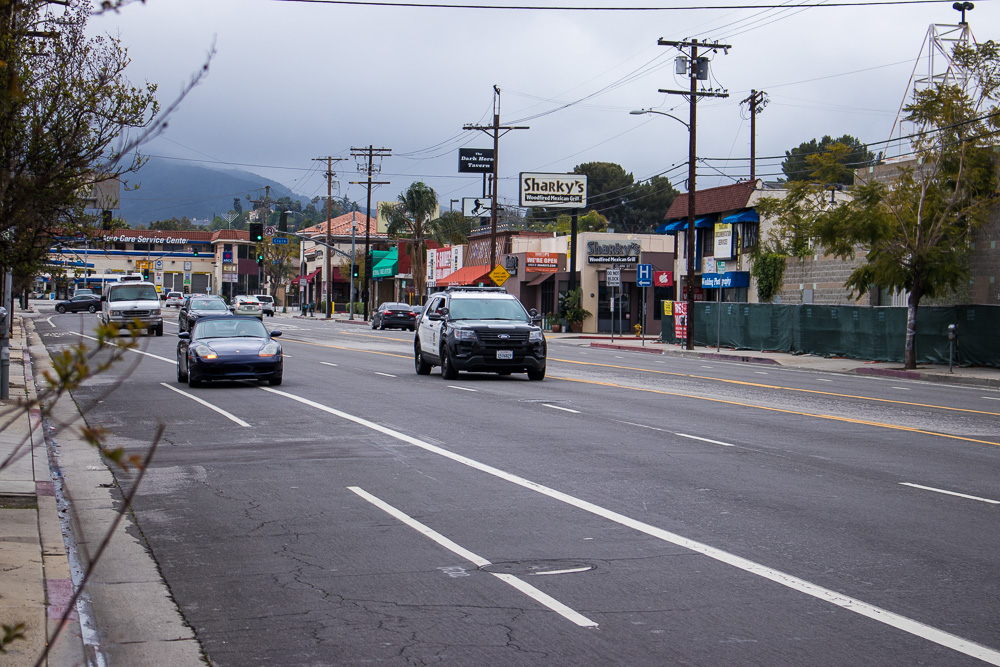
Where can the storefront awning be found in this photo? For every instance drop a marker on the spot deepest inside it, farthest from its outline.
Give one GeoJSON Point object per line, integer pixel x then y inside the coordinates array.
{"type": "Point", "coordinates": [707, 221]}
{"type": "Point", "coordinates": [310, 277]}
{"type": "Point", "coordinates": [538, 280]}
{"type": "Point", "coordinates": [467, 275]}
{"type": "Point", "coordinates": [671, 227]}
{"type": "Point", "coordinates": [388, 266]}
{"type": "Point", "coordinates": [749, 215]}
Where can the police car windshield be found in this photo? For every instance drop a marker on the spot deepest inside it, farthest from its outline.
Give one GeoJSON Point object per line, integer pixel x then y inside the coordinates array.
{"type": "Point", "coordinates": [133, 293]}
{"type": "Point", "coordinates": [487, 309]}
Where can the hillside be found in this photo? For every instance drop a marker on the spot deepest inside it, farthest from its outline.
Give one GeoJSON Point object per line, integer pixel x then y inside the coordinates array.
{"type": "Point", "coordinates": [169, 189]}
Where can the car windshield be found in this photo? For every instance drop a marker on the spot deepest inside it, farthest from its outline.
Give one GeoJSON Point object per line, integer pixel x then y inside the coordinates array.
{"type": "Point", "coordinates": [487, 309]}
{"type": "Point", "coordinates": [395, 306]}
{"type": "Point", "coordinates": [133, 293]}
{"type": "Point", "coordinates": [208, 304]}
{"type": "Point", "coordinates": [229, 328]}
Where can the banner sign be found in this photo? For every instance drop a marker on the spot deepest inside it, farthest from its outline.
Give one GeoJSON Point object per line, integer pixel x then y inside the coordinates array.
{"type": "Point", "coordinates": [541, 262]}
{"type": "Point", "coordinates": [475, 160]}
{"type": "Point", "coordinates": [477, 207]}
{"type": "Point", "coordinates": [553, 190]}
{"type": "Point", "coordinates": [723, 241]}
{"type": "Point", "coordinates": [663, 278]}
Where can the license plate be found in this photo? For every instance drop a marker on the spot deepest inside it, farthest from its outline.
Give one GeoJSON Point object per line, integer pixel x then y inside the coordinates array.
{"type": "Point", "coordinates": [505, 354]}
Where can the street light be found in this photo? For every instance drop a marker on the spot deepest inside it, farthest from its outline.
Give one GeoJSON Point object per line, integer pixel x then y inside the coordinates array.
{"type": "Point", "coordinates": [640, 112]}
{"type": "Point", "coordinates": [354, 228]}
{"type": "Point", "coordinates": [692, 189]}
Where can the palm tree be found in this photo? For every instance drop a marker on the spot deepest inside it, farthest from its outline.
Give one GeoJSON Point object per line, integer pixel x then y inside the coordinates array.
{"type": "Point", "coordinates": [408, 220]}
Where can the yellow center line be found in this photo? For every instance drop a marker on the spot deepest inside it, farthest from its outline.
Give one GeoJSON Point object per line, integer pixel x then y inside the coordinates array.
{"type": "Point", "coordinates": [848, 420]}
{"type": "Point", "coordinates": [760, 385]}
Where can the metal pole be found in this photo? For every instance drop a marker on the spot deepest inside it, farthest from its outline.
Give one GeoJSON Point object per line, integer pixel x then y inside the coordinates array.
{"type": "Point", "coordinates": [326, 250]}
{"type": "Point", "coordinates": [354, 226]}
{"type": "Point", "coordinates": [692, 190]}
{"type": "Point", "coordinates": [718, 325]}
{"type": "Point", "coordinates": [644, 317]}
{"type": "Point", "coordinates": [612, 312]}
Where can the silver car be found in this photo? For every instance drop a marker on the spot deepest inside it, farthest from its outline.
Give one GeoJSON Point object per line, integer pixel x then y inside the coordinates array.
{"type": "Point", "coordinates": [246, 305]}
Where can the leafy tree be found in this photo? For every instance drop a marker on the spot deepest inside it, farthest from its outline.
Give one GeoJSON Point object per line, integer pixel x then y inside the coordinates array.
{"type": "Point", "coordinates": [850, 154]}
{"type": "Point", "coordinates": [65, 102]}
{"type": "Point", "coordinates": [591, 221]}
{"type": "Point", "coordinates": [451, 228]}
{"type": "Point", "coordinates": [278, 258]}
{"type": "Point", "coordinates": [609, 188]}
{"type": "Point", "coordinates": [914, 232]}
{"type": "Point", "coordinates": [408, 219]}
{"type": "Point", "coordinates": [647, 204]}
{"type": "Point", "coordinates": [359, 265]}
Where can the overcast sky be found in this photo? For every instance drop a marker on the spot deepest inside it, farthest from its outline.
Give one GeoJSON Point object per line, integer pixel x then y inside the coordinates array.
{"type": "Point", "coordinates": [292, 81]}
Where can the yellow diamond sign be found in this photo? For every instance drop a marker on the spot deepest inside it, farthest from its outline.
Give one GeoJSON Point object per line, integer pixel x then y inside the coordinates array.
{"type": "Point", "coordinates": [499, 275]}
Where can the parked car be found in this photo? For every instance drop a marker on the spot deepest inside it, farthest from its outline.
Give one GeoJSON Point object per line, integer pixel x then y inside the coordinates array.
{"type": "Point", "coordinates": [266, 302]}
{"type": "Point", "coordinates": [392, 314]}
{"type": "Point", "coordinates": [200, 306]}
{"type": "Point", "coordinates": [246, 305]}
{"type": "Point", "coordinates": [228, 348]}
{"type": "Point", "coordinates": [80, 291]}
{"type": "Point", "coordinates": [480, 329]}
{"type": "Point", "coordinates": [88, 302]}
{"type": "Point", "coordinates": [175, 299]}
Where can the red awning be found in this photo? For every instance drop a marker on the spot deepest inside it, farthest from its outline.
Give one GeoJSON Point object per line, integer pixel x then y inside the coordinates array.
{"type": "Point", "coordinates": [467, 275]}
{"type": "Point", "coordinates": [311, 276]}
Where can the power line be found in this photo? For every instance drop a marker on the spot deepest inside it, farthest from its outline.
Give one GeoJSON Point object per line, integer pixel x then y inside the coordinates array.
{"type": "Point", "coordinates": [550, 8]}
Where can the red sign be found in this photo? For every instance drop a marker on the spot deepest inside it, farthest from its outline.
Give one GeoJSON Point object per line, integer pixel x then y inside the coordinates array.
{"type": "Point", "coordinates": [541, 262]}
{"type": "Point", "coordinates": [663, 278]}
{"type": "Point", "coordinates": [680, 320]}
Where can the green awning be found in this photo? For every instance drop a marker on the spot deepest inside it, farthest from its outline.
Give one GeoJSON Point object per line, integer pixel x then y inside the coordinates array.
{"type": "Point", "coordinates": [388, 266]}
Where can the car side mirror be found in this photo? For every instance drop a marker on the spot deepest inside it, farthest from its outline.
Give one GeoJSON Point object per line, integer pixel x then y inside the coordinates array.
{"type": "Point", "coordinates": [103, 298]}
{"type": "Point", "coordinates": [184, 335]}
{"type": "Point", "coordinates": [275, 334]}
{"type": "Point", "coordinates": [434, 316]}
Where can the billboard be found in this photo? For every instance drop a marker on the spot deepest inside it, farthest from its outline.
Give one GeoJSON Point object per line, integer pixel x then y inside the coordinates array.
{"type": "Point", "coordinates": [541, 262]}
{"type": "Point", "coordinates": [553, 190]}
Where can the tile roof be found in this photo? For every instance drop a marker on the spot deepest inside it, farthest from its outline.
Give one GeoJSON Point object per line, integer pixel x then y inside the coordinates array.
{"type": "Point", "coordinates": [341, 226]}
{"type": "Point", "coordinates": [712, 200]}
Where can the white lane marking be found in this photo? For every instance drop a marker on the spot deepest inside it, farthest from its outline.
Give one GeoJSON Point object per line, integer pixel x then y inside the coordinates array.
{"type": "Point", "coordinates": [990, 398]}
{"type": "Point", "coordinates": [148, 354]}
{"type": "Point", "coordinates": [761, 372]}
{"type": "Point", "coordinates": [385, 374]}
{"type": "Point", "coordinates": [455, 386]}
{"type": "Point", "coordinates": [951, 493]}
{"type": "Point", "coordinates": [706, 366]}
{"type": "Point", "coordinates": [845, 602]}
{"type": "Point", "coordinates": [659, 362]}
{"type": "Point", "coordinates": [49, 320]}
{"type": "Point", "coordinates": [477, 560]}
{"type": "Point", "coordinates": [208, 405]}
{"type": "Point", "coordinates": [570, 571]}
{"type": "Point", "coordinates": [651, 428]}
{"type": "Point", "coordinates": [556, 407]}
{"type": "Point", "coordinates": [902, 388]}
{"type": "Point", "coordinates": [327, 363]}
{"type": "Point", "coordinates": [823, 380]}
{"type": "Point", "coordinates": [714, 442]}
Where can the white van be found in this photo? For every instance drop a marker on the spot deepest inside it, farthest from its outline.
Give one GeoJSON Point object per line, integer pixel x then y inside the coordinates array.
{"type": "Point", "coordinates": [132, 298]}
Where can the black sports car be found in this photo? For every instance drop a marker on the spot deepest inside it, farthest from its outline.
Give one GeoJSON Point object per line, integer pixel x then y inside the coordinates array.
{"type": "Point", "coordinates": [228, 348]}
{"type": "Point", "coordinates": [88, 302]}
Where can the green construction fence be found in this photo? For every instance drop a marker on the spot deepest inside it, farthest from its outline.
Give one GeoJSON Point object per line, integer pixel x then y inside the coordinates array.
{"type": "Point", "coordinates": [855, 332]}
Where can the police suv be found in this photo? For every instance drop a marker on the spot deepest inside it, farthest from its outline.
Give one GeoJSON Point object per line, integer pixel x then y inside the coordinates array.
{"type": "Point", "coordinates": [478, 329]}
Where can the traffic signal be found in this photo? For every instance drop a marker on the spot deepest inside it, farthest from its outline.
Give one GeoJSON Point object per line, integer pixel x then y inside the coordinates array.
{"type": "Point", "coordinates": [355, 274]}
{"type": "Point", "coordinates": [256, 232]}
{"type": "Point", "coordinates": [260, 259]}
{"type": "Point", "coordinates": [106, 219]}
{"type": "Point", "coordinates": [283, 222]}
{"type": "Point", "coordinates": [195, 250]}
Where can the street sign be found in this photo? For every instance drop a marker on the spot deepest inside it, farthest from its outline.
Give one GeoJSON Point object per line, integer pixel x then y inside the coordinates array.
{"type": "Point", "coordinates": [279, 240]}
{"type": "Point", "coordinates": [499, 275]}
{"type": "Point", "coordinates": [644, 275]}
{"type": "Point", "coordinates": [614, 278]}
{"type": "Point", "coordinates": [159, 264]}
{"type": "Point", "coordinates": [269, 230]}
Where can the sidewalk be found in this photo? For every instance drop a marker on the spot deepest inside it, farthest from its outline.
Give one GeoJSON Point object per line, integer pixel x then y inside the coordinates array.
{"type": "Point", "coordinates": [972, 376]}
{"type": "Point", "coordinates": [35, 583]}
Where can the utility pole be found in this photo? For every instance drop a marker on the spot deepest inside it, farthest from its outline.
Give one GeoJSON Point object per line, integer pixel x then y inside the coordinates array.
{"type": "Point", "coordinates": [329, 214]}
{"type": "Point", "coordinates": [697, 69]}
{"type": "Point", "coordinates": [494, 131]}
{"type": "Point", "coordinates": [370, 168]}
{"type": "Point", "coordinates": [757, 101]}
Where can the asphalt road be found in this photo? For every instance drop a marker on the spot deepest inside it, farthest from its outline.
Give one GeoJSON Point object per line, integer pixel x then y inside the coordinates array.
{"type": "Point", "coordinates": [628, 510]}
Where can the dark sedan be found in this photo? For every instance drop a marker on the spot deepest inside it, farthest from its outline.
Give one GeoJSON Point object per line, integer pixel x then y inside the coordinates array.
{"type": "Point", "coordinates": [88, 302]}
{"type": "Point", "coordinates": [392, 314]}
{"type": "Point", "coordinates": [228, 348]}
{"type": "Point", "coordinates": [200, 306]}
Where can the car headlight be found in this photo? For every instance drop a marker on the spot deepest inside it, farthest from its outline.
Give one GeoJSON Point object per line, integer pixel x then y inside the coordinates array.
{"type": "Point", "coordinates": [155, 311]}
{"type": "Point", "coordinates": [270, 349]}
{"type": "Point", "coordinates": [465, 334]}
{"type": "Point", "coordinates": [203, 351]}
{"type": "Point", "coordinates": [116, 313]}
{"type": "Point", "coordinates": [535, 336]}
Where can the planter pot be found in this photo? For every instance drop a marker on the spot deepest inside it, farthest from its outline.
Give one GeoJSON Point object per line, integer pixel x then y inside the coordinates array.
{"type": "Point", "coordinates": [576, 327]}
{"type": "Point", "coordinates": [556, 328]}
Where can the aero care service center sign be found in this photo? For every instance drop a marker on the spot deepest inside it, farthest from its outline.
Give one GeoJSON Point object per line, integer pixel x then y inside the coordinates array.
{"type": "Point", "coordinates": [553, 190]}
